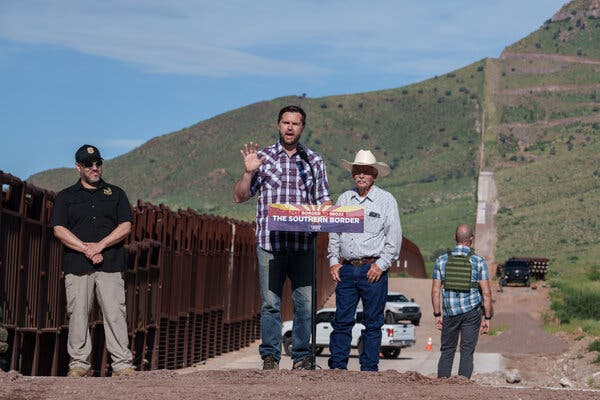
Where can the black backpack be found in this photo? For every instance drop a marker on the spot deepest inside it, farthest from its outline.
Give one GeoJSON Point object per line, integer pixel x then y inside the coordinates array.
{"type": "Point", "coordinates": [458, 272]}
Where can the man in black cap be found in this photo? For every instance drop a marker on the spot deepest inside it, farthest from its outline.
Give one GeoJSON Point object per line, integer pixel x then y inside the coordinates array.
{"type": "Point", "coordinates": [92, 218]}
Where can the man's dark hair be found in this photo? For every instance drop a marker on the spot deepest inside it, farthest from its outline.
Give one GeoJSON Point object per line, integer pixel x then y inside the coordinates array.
{"type": "Point", "coordinates": [292, 109]}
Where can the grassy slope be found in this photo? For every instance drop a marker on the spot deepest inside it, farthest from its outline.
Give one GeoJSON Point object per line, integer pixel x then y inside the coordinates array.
{"type": "Point", "coordinates": [543, 138]}
{"type": "Point", "coordinates": [547, 173]}
{"type": "Point", "coordinates": [575, 32]}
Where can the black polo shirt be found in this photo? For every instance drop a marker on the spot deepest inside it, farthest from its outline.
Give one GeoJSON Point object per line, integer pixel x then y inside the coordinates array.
{"type": "Point", "coordinates": [91, 215]}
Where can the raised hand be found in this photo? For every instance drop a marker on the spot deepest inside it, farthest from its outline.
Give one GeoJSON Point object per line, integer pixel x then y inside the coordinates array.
{"type": "Point", "coordinates": [250, 157]}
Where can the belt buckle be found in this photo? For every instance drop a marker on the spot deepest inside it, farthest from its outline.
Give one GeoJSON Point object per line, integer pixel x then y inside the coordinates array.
{"type": "Point", "coordinates": [356, 263]}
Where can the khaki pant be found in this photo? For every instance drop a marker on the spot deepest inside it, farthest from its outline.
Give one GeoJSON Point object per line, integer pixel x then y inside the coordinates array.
{"type": "Point", "coordinates": [110, 292]}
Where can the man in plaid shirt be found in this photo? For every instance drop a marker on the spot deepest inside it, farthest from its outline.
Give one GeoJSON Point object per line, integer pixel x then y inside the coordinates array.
{"type": "Point", "coordinates": [461, 309]}
{"type": "Point", "coordinates": [285, 173]}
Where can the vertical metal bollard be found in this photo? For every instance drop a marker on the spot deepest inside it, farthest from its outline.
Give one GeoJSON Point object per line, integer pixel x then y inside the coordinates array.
{"type": "Point", "coordinates": [313, 317]}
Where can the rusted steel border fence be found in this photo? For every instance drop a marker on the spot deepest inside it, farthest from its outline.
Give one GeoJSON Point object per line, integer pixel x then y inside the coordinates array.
{"type": "Point", "coordinates": [191, 285]}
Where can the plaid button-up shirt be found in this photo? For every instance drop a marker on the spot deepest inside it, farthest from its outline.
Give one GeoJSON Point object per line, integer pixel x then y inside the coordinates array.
{"type": "Point", "coordinates": [282, 179]}
{"type": "Point", "coordinates": [454, 302]}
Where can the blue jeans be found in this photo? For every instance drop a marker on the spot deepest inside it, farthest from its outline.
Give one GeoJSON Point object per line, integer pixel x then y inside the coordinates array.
{"type": "Point", "coordinates": [353, 286]}
{"type": "Point", "coordinates": [467, 325]}
{"type": "Point", "coordinates": [273, 268]}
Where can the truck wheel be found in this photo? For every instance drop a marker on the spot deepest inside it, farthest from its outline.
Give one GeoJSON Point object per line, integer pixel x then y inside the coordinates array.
{"type": "Point", "coordinates": [416, 322]}
{"type": "Point", "coordinates": [287, 344]}
{"type": "Point", "coordinates": [391, 353]}
{"type": "Point", "coordinates": [318, 351]}
{"type": "Point", "coordinates": [389, 318]}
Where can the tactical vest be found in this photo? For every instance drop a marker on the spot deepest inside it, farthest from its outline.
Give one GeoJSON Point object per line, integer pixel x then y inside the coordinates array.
{"type": "Point", "coordinates": [458, 272]}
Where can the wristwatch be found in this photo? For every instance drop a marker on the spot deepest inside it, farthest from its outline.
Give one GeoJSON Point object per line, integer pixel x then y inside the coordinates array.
{"type": "Point", "coordinates": [487, 318]}
{"type": "Point", "coordinates": [438, 314]}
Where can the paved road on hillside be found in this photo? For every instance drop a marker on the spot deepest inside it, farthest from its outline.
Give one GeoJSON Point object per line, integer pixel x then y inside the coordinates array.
{"type": "Point", "coordinates": [487, 206]}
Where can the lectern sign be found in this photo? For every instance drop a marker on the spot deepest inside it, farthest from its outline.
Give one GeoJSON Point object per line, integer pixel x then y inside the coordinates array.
{"type": "Point", "coordinates": [313, 218]}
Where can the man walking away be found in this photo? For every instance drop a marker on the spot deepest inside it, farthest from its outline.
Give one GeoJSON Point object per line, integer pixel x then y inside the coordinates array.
{"type": "Point", "coordinates": [461, 281]}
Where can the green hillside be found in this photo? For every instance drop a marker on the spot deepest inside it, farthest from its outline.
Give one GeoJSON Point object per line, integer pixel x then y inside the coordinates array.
{"type": "Point", "coordinates": [542, 138]}
{"type": "Point", "coordinates": [536, 109]}
{"type": "Point", "coordinates": [571, 31]}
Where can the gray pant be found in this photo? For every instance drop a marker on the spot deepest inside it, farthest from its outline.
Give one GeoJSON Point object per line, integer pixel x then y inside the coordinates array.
{"type": "Point", "coordinates": [110, 292]}
{"type": "Point", "coordinates": [467, 325]}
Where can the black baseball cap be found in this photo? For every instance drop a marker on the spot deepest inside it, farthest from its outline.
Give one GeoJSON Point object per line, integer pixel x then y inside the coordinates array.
{"type": "Point", "coordinates": [87, 153]}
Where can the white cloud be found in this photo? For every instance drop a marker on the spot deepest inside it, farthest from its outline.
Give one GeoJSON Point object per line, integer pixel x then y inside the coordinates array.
{"type": "Point", "coordinates": [271, 38]}
{"type": "Point", "coordinates": [123, 144]}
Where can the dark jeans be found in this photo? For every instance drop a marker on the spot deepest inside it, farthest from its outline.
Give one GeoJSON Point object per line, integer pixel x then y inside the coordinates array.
{"type": "Point", "coordinates": [467, 325]}
{"type": "Point", "coordinates": [354, 286]}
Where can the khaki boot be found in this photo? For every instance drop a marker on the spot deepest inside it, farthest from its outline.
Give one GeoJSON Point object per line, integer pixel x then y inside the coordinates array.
{"type": "Point", "coordinates": [124, 372]}
{"type": "Point", "coordinates": [77, 372]}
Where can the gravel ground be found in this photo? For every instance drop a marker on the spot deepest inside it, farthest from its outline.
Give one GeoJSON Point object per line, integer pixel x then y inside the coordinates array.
{"type": "Point", "coordinates": [542, 359]}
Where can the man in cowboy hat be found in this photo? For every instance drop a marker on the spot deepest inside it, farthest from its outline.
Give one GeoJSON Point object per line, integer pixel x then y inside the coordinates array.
{"type": "Point", "coordinates": [359, 262]}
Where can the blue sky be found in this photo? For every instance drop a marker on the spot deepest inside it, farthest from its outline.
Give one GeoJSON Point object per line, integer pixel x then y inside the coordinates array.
{"type": "Point", "coordinates": [116, 73]}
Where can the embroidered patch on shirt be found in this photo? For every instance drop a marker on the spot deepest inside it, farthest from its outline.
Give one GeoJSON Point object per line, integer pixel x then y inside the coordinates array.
{"type": "Point", "coordinates": [107, 191]}
{"type": "Point", "coordinates": [374, 214]}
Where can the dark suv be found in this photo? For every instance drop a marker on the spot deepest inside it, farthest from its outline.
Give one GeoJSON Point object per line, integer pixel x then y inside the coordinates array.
{"type": "Point", "coordinates": [515, 271]}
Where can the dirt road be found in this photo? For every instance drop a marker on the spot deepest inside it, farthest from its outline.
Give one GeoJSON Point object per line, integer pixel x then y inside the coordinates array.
{"type": "Point", "coordinates": [542, 360]}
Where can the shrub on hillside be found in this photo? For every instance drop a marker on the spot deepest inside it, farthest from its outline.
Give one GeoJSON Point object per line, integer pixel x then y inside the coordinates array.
{"type": "Point", "coordinates": [594, 273]}
{"type": "Point", "coordinates": [595, 345]}
{"type": "Point", "coordinates": [577, 301]}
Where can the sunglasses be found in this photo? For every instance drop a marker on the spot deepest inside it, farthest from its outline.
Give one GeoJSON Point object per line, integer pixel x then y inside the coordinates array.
{"type": "Point", "coordinates": [90, 164]}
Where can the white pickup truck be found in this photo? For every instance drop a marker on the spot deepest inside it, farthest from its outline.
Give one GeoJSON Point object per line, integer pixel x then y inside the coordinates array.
{"type": "Point", "coordinates": [394, 336]}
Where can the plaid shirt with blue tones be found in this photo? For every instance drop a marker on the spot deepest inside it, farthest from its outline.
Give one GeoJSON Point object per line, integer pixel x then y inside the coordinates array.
{"type": "Point", "coordinates": [454, 302]}
{"type": "Point", "coordinates": [282, 179]}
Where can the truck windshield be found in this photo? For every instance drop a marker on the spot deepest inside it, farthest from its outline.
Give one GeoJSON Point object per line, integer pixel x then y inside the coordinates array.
{"type": "Point", "coordinates": [396, 298]}
{"type": "Point", "coordinates": [516, 265]}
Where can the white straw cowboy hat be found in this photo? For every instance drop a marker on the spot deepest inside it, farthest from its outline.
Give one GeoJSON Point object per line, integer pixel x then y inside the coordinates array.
{"type": "Point", "coordinates": [365, 157]}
